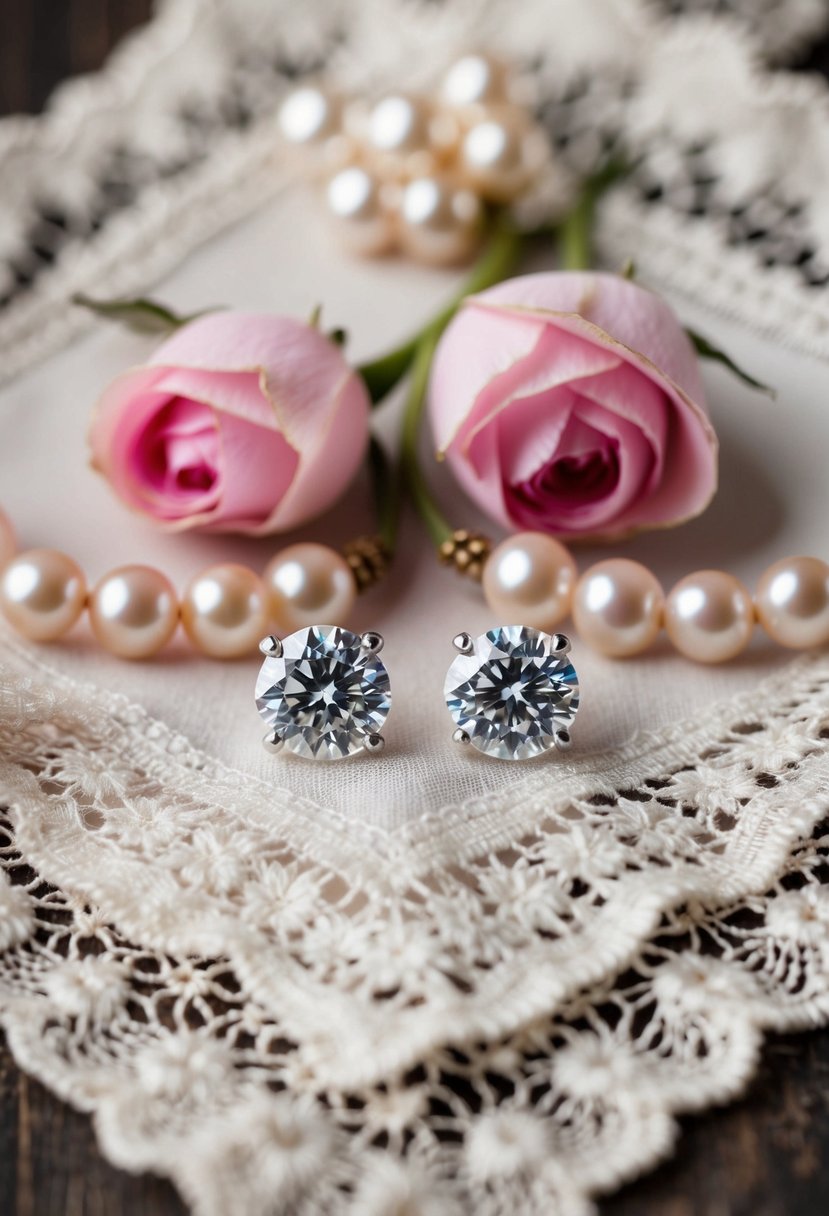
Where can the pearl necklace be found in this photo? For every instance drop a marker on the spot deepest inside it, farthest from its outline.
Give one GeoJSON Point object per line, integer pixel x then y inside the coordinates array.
{"type": "Point", "coordinates": [618, 605]}
{"type": "Point", "coordinates": [225, 610]}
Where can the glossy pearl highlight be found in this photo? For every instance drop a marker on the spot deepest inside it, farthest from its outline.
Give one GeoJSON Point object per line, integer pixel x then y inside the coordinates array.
{"type": "Point", "coordinates": [398, 124]}
{"type": "Point", "coordinates": [308, 116]}
{"type": "Point", "coordinates": [354, 200]}
{"type": "Point", "coordinates": [474, 80]}
{"type": "Point", "coordinates": [709, 616]}
{"type": "Point", "coordinates": [495, 155]}
{"type": "Point", "coordinates": [42, 594]}
{"type": "Point", "coordinates": [439, 224]}
{"type": "Point", "coordinates": [309, 584]}
{"type": "Point", "coordinates": [133, 612]}
{"type": "Point", "coordinates": [225, 611]}
{"type": "Point", "coordinates": [530, 578]}
{"type": "Point", "coordinates": [793, 602]}
{"type": "Point", "coordinates": [617, 607]}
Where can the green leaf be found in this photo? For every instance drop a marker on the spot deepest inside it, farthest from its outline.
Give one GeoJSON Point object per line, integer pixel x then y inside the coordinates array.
{"type": "Point", "coordinates": [705, 350]}
{"type": "Point", "coordinates": [142, 316]}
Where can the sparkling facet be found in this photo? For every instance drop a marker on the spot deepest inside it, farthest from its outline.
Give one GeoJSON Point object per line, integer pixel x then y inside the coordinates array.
{"type": "Point", "coordinates": [512, 692]}
{"type": "Point", "coordinates": [325, 694]}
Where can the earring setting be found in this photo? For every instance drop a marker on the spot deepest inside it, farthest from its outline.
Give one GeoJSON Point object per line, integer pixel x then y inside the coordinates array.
{"type": "Point", "coordinates": [512, 692]}
{"type": "Point", "coordinates": [323, 692]}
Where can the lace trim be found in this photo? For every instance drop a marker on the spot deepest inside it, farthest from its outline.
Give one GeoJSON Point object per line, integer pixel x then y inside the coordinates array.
{"type": "Point", "coordinates": [245, 999]}
{"type": "Point", "coordinates": [133, 167]}
{"type": "Point", "coordinates": [220, 977]}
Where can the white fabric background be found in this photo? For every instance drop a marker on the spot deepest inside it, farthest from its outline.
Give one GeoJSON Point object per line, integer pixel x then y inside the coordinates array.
{"type": "Point", "coordinates": [773, 501]}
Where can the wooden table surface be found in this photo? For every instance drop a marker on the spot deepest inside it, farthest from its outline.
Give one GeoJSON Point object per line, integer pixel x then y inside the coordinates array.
{"type": "Point", "coordinates": [767, 1155]}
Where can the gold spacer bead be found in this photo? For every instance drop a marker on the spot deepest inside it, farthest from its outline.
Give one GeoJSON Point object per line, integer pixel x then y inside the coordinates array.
{"type": "Point", "coordinates": [368, 559]}
{"type": "Point", "coordinates": [467, 552]}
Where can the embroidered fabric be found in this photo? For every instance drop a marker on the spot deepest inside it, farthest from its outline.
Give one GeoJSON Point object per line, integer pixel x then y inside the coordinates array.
{"type": "Point", "coordinates": [506, 1002]}
{"type": "Point", "coordinates": [295, 1014]}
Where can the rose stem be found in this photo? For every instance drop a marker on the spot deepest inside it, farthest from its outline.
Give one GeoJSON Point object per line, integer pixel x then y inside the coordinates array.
{"type": "Point", "coordinates": [415, 355]}
{"type": "Point", "coordinates": [575, 233]}
{"type": "Point", "coordinates": [495, 263]}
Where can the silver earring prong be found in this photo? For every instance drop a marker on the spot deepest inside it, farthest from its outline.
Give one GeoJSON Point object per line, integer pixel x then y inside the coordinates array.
{"type": "Point", "coordinates": [463, 643]}
{"type": "Point", "coordinates": [563, 740]}
{"type": "Point", "coordinates": [372, 641]}
{"type": "Point", "coordinates": [375, 744]}
{"type": "Point", "coordinates": [272, 742]}
{"type": "Point", "coordinates": [271, 647]}
{"type": "Point", "coordinates": [561, 644]}
{"type": "Point", "coordinates": [460, 736]}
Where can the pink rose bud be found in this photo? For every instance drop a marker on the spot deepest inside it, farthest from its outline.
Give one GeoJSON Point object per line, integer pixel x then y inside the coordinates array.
{"type": "Point", "coordinates": [571, 403]}
{"type": "Point", "coordinates": [240, 422]}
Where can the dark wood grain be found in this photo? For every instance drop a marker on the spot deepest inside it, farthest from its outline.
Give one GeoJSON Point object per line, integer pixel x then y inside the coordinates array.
{"type": "Point", "coordinates": [767, 1155]}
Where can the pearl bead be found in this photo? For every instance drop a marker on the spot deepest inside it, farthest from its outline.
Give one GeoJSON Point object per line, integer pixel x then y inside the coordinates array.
{"type": "Point", "coordinates": [709, 616]}
{"type": "Point", "coordinates": [7, 539]}
{"type": "Point", "coordinates": [439, 224]}
{"type": "Point", "coordinates": [354, 200]}
{"type": "Point", "coordinates": [308, 116]}
{"type": "Point", "coordinates": [529, 579]}
{"type": "Point", "coordinates": [617, 607]}
{"type": "Point", "coordinates": [225, 612]}
{"type": "Point", "coordinates": [42, 594]}
{"type": "Point", "coordinates": [133, 612]}
{"type": "Point", "coordinates": [494, 155]}
{"type": "Point", "coordinates": [793, 602]}
{"type": "Point", "coordinates": [398, 124]}
{"type": "Point", "coordinates": [474, 80]}
{"type": "Point", "coordinates": [309, 584]}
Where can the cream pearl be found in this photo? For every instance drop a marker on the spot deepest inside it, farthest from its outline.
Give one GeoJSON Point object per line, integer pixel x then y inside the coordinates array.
{"type": "Point", "coordinates": [133, 611]}
{"type": "Point", "coordinates": [495, 154]}
{"type": "Point", "coordinates": [225, 611]}
{"type": "Point", "coordinates": [438, 223]}
{"type": "Point", "coordinates": [709, 616]}
{"type": "Point", "coordinates": [42, 593]}
{"type": "Point", "coordinates": [8, 544]}
{"type": "Point", "coordinates": [530, 578]}
{"type": "Point", "coordinates": [309, 584]}
{"type": "Point", "coordinates": [617, 607]}
{"type": "Point", "coordinates": [474, 80]}
{"type": "Point", "coordinates": [308, 116]}
{"type": "Point", "coordinates": [398, 124]}
{"type": "Point", "coordinates": [793, 602]}
{"type": "Point", "coordinates": [355, 203]}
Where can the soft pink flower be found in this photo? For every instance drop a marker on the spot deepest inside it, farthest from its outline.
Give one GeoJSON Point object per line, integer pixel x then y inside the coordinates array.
{"type": "Point", "coordinates": [572, 403]}
{"type": "Point", "coordinates": [240, 422]}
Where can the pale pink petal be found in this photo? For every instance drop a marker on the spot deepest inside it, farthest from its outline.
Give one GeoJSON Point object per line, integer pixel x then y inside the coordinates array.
{"type": "Point", "coordinates": [558, 358]}
{"type": "Point", "coordinates": [326, 467]}
{"type": "Point", "coordinates": [633, 315]}
{"type": "Point", "coordinates": [530, 432]}
{"type": "Point", "coordinates": [237, 393]}
{"type": "Point", "coordinates": [477, 347]}
{"type": "Point", "coordinates": [302, 370]}
{"type": "Point", "coordinates": [483, 480]}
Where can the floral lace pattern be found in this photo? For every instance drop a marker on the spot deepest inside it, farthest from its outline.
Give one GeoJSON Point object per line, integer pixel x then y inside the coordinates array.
{"type": "Point", "coordinates": [260, 1009]}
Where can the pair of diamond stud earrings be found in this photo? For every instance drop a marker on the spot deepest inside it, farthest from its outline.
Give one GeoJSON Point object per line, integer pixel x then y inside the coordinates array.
{"type": "Point", "coordinates": [325, 694]}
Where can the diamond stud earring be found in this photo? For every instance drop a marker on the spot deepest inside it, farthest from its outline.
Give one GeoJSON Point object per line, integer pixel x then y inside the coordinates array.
{"type": "Point", "coordinates": [323, 692]}
{"type": "Point", "coordinates": [512, 692]}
